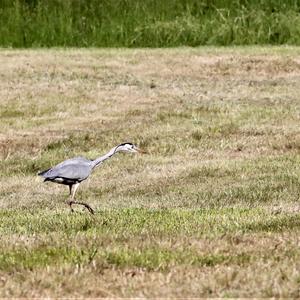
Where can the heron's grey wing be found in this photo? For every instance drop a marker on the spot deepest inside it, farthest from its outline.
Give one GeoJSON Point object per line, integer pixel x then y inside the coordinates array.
{"type": "Point", "coordinates": [77, 168]}
{"type": "Point", "coordinates": [71, 161]}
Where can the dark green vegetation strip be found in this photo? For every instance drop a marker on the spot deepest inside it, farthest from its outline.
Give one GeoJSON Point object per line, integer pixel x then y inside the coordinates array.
{"type": "Point", "coordinates": [131, 237]}
{"type": "Point", "coordinates": [150, 23]}
{"type": "Point", "coordinates": [150, 258]}
{"type": "Point", "coordinates": [125, 223]}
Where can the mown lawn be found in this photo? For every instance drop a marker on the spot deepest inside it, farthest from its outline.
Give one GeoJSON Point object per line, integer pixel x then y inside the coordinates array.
{"type": "Point", "coordinates": [211, 210]}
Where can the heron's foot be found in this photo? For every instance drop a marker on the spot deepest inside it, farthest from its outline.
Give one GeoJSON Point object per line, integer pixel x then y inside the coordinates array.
{"type": "Point", "coordinates": [88, 207]}
{"type": "Point", "coordinates": [83, 204]}
{"type": "Point", "coordinates": [70, 204]}
{"type": "Point", "coordinates": [91, 210]}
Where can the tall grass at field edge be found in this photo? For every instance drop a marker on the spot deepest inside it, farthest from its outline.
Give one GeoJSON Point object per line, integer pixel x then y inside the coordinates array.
{"type": "Point", "coordinates": [151, 23]}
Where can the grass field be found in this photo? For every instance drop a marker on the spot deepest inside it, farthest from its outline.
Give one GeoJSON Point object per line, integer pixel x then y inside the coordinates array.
{"type": "Point", "coordinates": [212, 210]}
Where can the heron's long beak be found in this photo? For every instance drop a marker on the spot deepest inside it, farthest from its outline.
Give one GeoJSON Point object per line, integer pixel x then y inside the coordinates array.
{"type": "Point", "coordinates": [140, 150]}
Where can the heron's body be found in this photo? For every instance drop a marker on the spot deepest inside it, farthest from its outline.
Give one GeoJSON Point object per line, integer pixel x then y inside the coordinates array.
{"type": "Point", "coordinates": [73, 171]}
{"type": "Point", "coordinates": [70, 171]}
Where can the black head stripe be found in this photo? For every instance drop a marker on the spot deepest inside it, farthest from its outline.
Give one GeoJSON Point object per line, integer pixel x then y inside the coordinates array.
{"type": "Point", "coordinates": [125, 144]}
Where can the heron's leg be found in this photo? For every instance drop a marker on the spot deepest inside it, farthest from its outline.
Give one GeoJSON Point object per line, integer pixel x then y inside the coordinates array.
{"type": "Point", "coordinates": [72, 201]}
{"type": "Point", "coordinates": [71, 197]}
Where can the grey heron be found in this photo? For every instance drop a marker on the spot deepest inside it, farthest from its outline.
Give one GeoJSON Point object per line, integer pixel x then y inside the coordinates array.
{"type": "Point", "coordinates": [72, 172]}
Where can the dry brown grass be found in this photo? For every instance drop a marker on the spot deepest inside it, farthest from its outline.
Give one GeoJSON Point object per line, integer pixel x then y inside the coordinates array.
{"type": "Point", "coordinates": [212, 210]}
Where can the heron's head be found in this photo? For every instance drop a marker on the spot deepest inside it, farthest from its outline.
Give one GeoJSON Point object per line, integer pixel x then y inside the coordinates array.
{"type": "Point", "coordinates": [128, 147]}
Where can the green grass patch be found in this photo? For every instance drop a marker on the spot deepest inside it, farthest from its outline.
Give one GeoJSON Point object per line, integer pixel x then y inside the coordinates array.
{"type": "Point", "coordinates": [125, 238]}
{"type": "Point", "coordinates": [19, 259]}
{"type": "Point", "coordinates": [128, 222]}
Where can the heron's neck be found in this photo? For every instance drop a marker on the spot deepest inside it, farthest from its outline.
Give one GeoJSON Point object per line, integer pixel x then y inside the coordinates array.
{"type": "Point", "coordinates": [101, 159]}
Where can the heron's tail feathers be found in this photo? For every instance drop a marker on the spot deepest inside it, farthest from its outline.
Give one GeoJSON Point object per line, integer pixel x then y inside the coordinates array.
{"type": "Point", "coordinates": [43, 172]}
